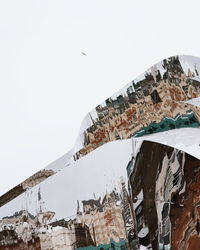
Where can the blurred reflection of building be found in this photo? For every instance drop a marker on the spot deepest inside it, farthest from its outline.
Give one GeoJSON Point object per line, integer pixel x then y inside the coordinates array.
{"type": "Point", "coordinates": [18, 232]}
{"type": "Point", "coordinates": [128, 216]}
{"type": "Point", "coordinates": [104, 219]}
{"type": "Point", "coordinates": [24, 231]}
{"type": "Point", "coordinates": [126, 207]}
{"type": "Point", "coordinates": [101, 222]}
{"type": "Point", "coordinates": [141, 108]}
{"type": "Point", "coordinates": [56, 238]}
{"type": "Point", "coordinates": [37, 178]}
{"type": "Point", "coordinates": [142, 230]}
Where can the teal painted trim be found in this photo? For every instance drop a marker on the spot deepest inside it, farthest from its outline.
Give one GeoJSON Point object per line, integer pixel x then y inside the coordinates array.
{"type": "Point", "coordinates": [181, 121]}
{"type": "Point", "coordinates": [122, 245]}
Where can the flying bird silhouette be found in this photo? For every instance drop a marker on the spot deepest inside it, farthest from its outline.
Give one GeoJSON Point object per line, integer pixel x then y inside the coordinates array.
{"type": "Point", "coordinates": [83, 53]}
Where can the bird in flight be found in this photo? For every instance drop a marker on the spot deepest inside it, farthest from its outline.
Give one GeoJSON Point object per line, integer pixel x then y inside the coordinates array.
{"type": "Point", "coordinates": [83, 53]}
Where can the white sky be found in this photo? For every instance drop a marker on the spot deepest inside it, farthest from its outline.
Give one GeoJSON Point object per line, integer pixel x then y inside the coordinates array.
{"type": "Point", "coordinates": [47, 85]}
